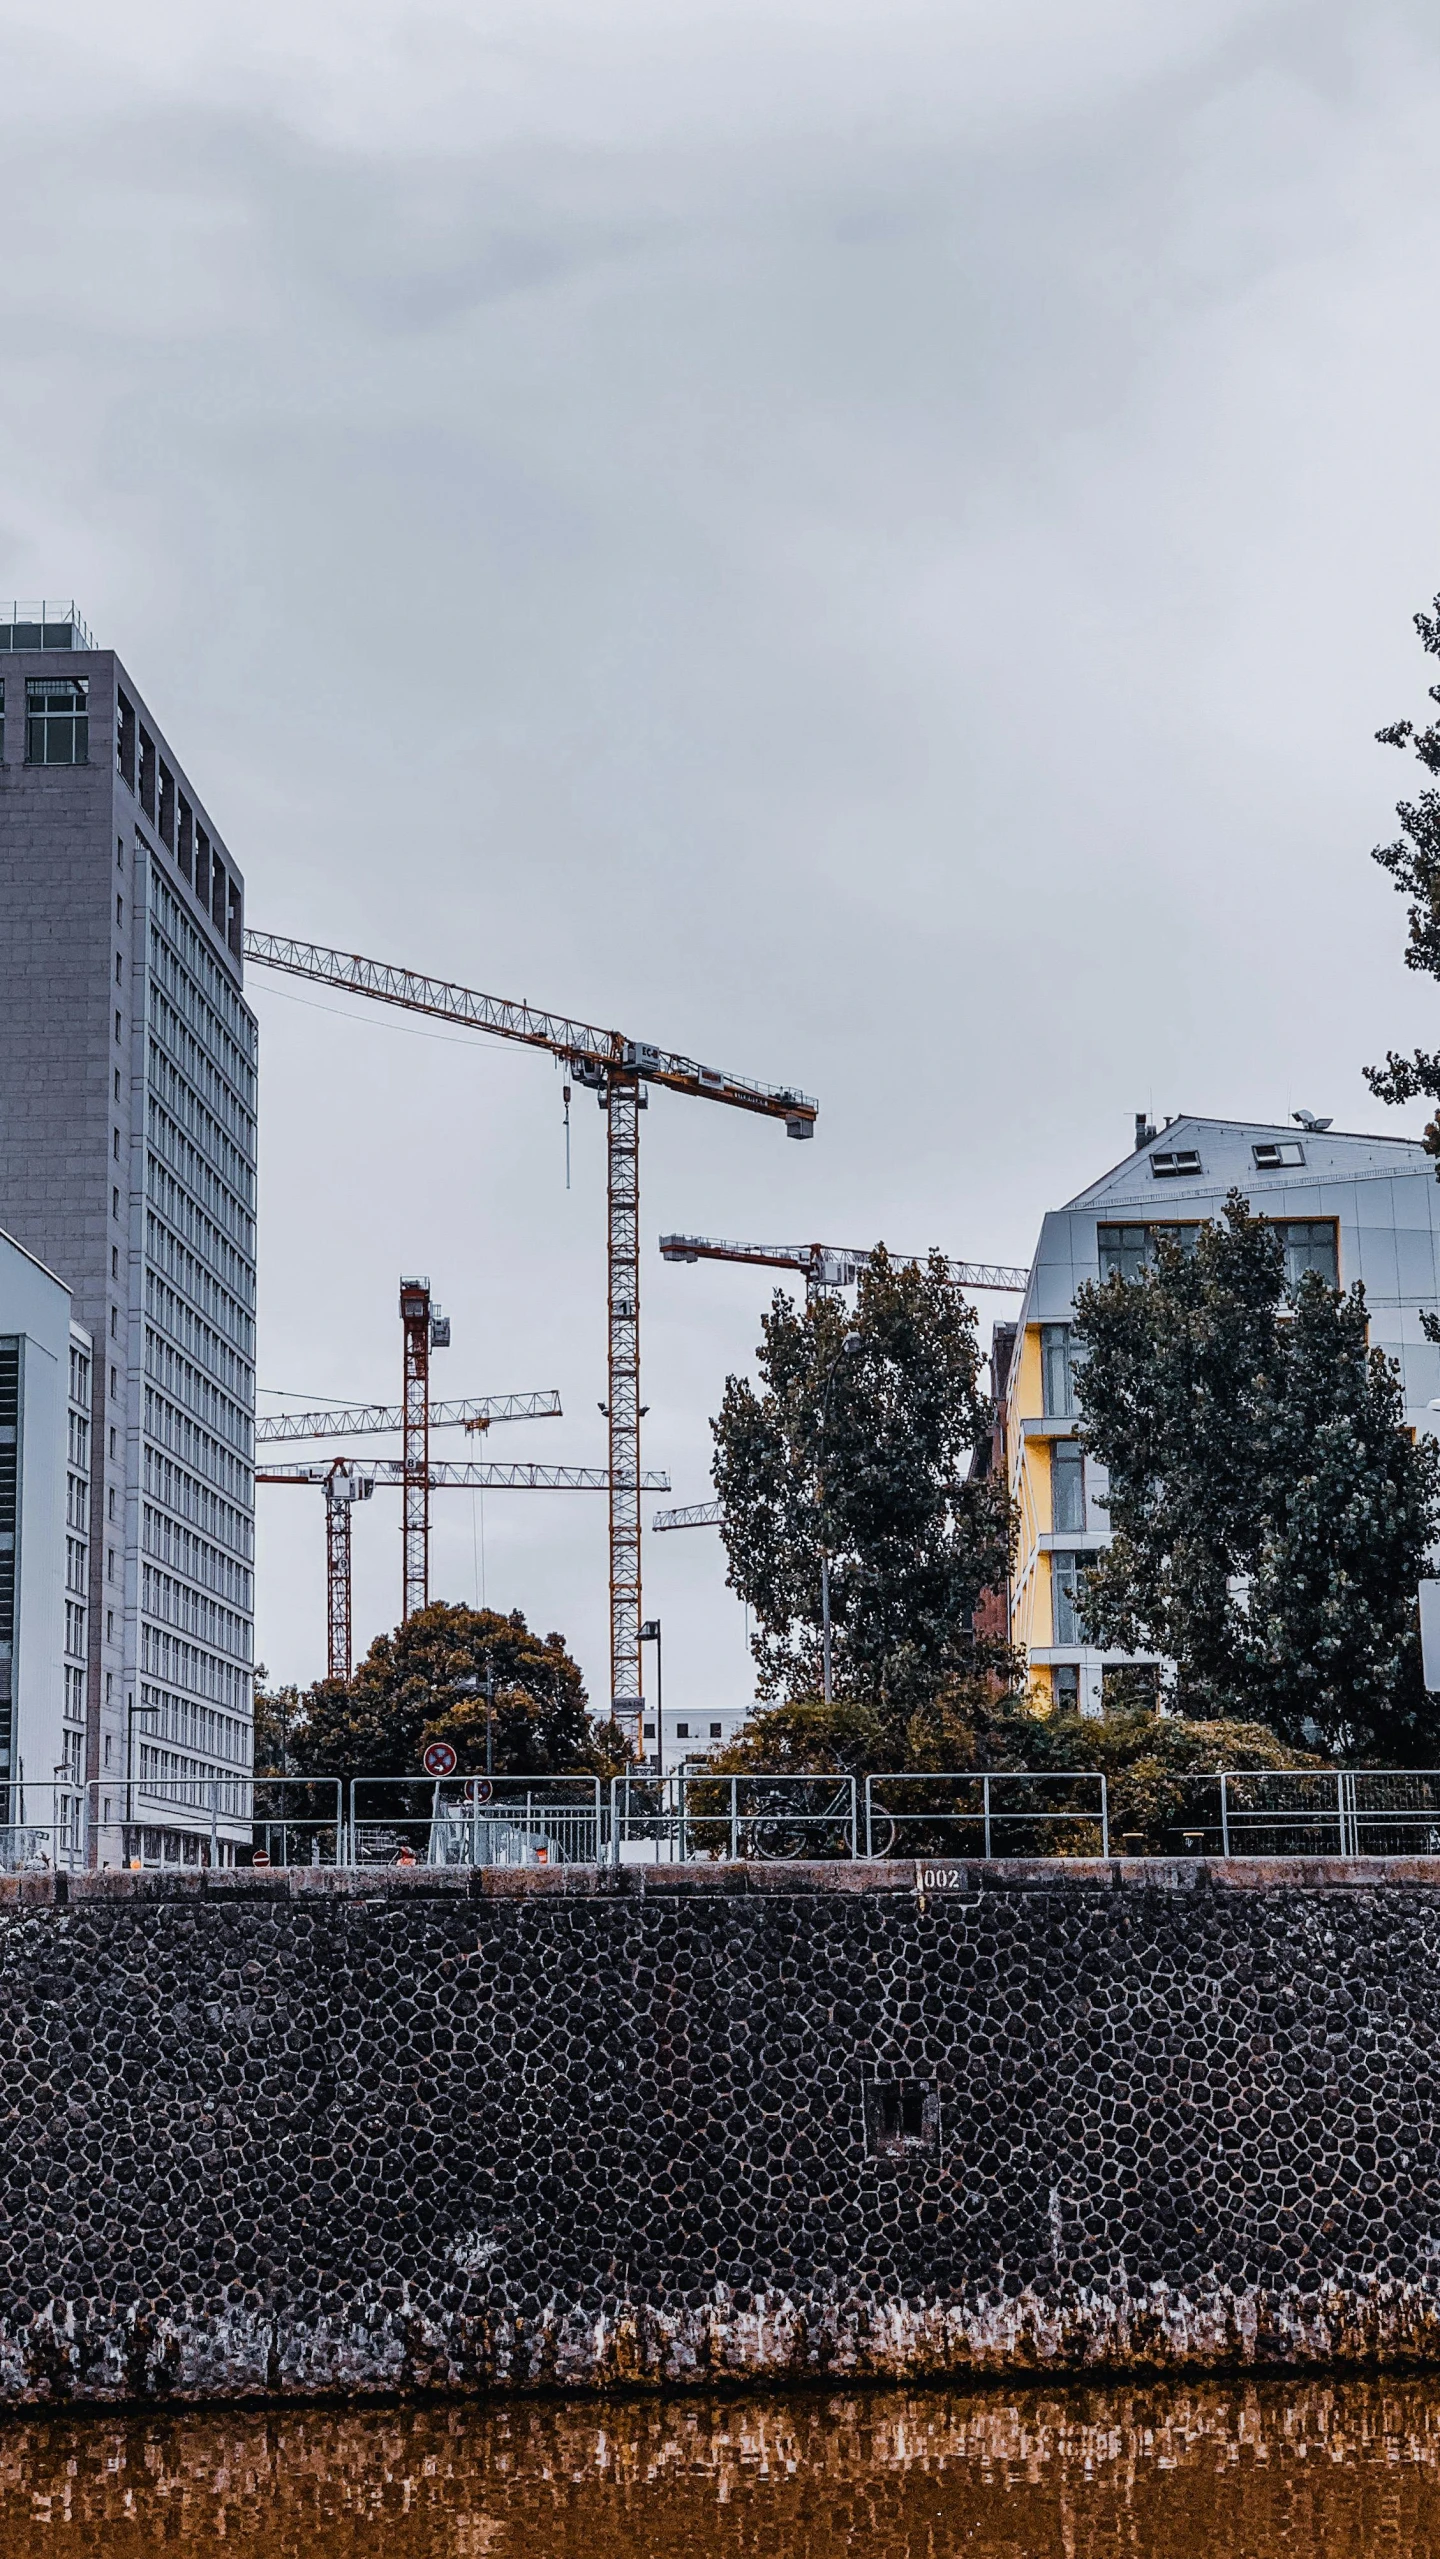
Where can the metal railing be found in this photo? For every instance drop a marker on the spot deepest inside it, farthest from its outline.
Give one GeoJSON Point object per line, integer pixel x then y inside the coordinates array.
{"type": "Point", "coordinates": [43, 1827]}
{"type": "Point", "coordinates": [995, 1813]}
{"type": "Point", "coordinates": [298, 1821]}
{"type": "Point", "coordinates": [476, 1821]}
{"type": "Point", "coordinates": [690, 1815]}
{"type": "Point", "coordinates": [697, 1816]}
{"type": "Point", "coordinates": [1327, 1812]}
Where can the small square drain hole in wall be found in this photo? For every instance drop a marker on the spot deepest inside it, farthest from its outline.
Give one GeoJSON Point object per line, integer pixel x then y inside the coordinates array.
{"type": "Point", "coordinates": [901, 2115]}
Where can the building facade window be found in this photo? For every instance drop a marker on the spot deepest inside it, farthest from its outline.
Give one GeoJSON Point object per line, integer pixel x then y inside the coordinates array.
{"type": "Point", "coordinates": [1310, 1246]}
{"type": "Point", "coordinates": [1057, 1374]}
{"type": "Point", "coordinates": [125, 739]}
{"type": "Point", "coordinates": [1067, 1487]}
{"type": "Point", "coordinates": [57, 719]}
{"type": "Point", "coordinates": [1066, 1574]}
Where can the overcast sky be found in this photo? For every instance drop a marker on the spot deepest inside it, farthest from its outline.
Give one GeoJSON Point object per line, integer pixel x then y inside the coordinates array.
{"type": "Point", "coordinates": [865, 540]}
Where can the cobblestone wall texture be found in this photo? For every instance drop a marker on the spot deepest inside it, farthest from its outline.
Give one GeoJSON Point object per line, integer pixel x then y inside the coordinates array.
{"type": "Point", "coordinates": [314, 2134]}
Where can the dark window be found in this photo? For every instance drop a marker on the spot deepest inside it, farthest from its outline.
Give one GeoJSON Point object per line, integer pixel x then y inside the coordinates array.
{"type": "Point", "coordinates": [185, 850]}
{"type": "Point", "coordinates": [1175, 1164]}
{"type": "Point", "coordinates": [1066, 1570]}
{"type": "Point", "coordinates": [233, 933]}
{"type": "Point", "coordinates": [682, 1732]}
{"type": "Point", "coordinates": [1066, 1677]}
{"type": "Point", "coordinates": [1057, 1380]}
{"type": "Point", "coordinates": [1274, 1155]}
{"type": "Point", "coordinates": [125, 739]}
{"type": "Point", "coordinates": [147, 774]}
{"type": "Point", "coordinates": [715, 1732]}
{"type": "Point", "coordinates": [1067, 1486]}
{"type": "Point", "coordinates": [167, 805]}
{"type": "Point", "coordinates": [1309, 1246]}
{"type": "Point", "coordinates": [1124, 1250]}
{"type": "Point", "coordinates": [218, 885]}
{"type": "Point", "coordinates": [901, 2115]}
{"type": "Point", "coordinates": [202, 867]}
{"type": "Point", "coordinates": [1130, 1249]}
{"type": "Point", "coordinates": [57, 719]}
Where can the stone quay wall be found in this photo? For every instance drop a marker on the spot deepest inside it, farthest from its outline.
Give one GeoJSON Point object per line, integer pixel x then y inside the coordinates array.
{"type": "Point", "coordinates": [291, 2135]}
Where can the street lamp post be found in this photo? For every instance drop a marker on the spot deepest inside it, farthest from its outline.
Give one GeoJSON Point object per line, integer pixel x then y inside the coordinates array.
{"type": "Point", "coordinates": [650, 1634]}
{"type": "Point", "coordinates": [848, 1347]}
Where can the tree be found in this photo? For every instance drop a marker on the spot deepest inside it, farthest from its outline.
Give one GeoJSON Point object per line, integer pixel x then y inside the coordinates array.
{"type": "Point", "coordinates": [1271, 1513]}
{"type": "Point", "coordinates": [428, 1682]}
{"type": "Point", "coordinates": [278, 1716]}
{"type": "Point", "coordinates": [856, 1451]}
{"type": "Point", "coordinates": [1413, 862]}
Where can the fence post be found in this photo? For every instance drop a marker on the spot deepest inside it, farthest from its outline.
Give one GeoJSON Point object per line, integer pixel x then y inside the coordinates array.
{"type": "Point", "coordinates": [869, 1823]}
{"type": "Point", "coordinates": [985, 1808]}
{"type": "Point", "coordinates": [1224, 1816]}
{"type": "Point", "coordinates": [734, 1820]}
{"type": "Point", "coordinates": [1347, 1808]}
{"type": "Point", "coordinates": [1104, 1819]}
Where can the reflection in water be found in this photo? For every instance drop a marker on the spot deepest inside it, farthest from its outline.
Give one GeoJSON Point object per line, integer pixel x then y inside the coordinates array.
{"type": "Point", "coordinates": [1330, 2470]}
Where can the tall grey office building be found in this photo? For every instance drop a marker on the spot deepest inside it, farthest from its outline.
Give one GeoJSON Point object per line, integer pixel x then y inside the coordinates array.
{"type": "Point", "coordinates": [127, 1164]}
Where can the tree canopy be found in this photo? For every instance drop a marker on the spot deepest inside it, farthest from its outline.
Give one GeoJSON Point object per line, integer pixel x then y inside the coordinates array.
{"type": "Point", "coordinates": [1271, 1512]}
{"type": "Point", "coordinates": [1413, 862]}
{"type": "Point", "coordinates": [856, 1446]}
{"type": "Point", "coordinates": [428, 1682]}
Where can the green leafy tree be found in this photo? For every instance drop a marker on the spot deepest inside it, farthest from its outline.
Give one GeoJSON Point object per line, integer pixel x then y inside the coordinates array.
{"type": "Point", "coordinates": [1271, 1513]}
{"type": "Point", "coordinates": [428, 1682]}
{"type": "Point", "coordinates": [279, 1715]}
{"type": "Point", "coordinates": [855, 1451]}
{"type": "Point", "coordinates": [1413, 862]}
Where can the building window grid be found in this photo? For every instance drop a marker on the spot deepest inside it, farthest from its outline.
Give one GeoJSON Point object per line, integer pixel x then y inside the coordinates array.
{"type": "Point", "coordinates": [57, 719]}
{"type": "Point", "coordinates": [194, 1274]}
{"type": "Point", "coordinates": [1310, 1244]}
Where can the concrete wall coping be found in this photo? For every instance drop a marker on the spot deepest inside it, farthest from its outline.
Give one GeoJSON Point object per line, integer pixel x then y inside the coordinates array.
{"type": "Point", "coordinates": [925, 1879]}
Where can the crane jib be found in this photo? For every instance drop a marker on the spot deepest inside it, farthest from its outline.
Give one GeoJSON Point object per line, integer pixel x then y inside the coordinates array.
{"type": "Point", "coordinates": [618, 1070]}
{"type": "Point", "coordinates": [593, 1053]}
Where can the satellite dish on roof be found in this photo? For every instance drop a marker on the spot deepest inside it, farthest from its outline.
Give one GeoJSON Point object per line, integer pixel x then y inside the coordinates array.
{"type": "Point", "coordinates": [1307, 1119]}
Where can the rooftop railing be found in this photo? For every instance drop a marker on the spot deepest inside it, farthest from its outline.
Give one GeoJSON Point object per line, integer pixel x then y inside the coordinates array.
{"type": "Point", "coordinates": [43, 623]}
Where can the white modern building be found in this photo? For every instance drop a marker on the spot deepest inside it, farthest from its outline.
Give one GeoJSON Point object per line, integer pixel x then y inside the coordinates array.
{"type": "Point", "coordinates": [1352, 1206]}
{"type": "Point", "coordinates": [692, 1732]}
{"type": "Point", "coordinates": [44, 1560]}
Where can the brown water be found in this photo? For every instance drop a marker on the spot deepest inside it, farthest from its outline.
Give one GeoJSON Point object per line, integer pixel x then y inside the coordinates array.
{"type": "Point", "coordinates": [1244, 2471]}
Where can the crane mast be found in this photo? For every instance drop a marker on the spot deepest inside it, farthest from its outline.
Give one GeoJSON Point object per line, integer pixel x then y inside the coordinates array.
{"type": "Point", "coordinates": [617, 1070]}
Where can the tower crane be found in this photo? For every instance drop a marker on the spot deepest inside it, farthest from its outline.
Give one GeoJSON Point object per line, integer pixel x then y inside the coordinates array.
{"type": "Point", "coordinates": [823, 1267]}
{"type": "Point", "coordinates": [827, 1266]}
{"type": "Point", "coordinates": [619, 1072]}
{"type": "Point", "coordinates": [344, 1483]}
{"type": "Point", "coordinates": [350, 1421]}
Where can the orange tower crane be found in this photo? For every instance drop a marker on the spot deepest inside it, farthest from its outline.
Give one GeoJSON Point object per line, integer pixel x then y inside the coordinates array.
{"type": "Point", "coordinates": [618, 1071]}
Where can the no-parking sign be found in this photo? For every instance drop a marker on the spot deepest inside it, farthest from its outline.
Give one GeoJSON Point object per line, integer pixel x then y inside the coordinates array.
{"type": "Point", "coordinates": [439, 1759]}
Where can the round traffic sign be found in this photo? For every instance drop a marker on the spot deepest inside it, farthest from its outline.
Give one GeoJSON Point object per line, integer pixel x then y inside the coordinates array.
{"type": "Point", "coordinates": [479, 1790]}
{"type": "Point", "coordinates": [439, 1760]}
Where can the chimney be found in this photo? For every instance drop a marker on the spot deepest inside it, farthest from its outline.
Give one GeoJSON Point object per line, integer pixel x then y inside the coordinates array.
{"type": "Point", "coordinates": [1144, 1129]}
